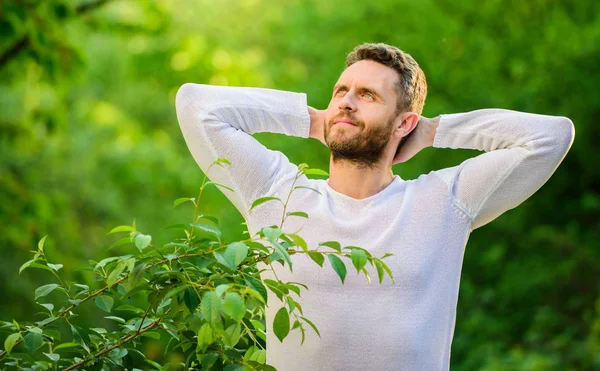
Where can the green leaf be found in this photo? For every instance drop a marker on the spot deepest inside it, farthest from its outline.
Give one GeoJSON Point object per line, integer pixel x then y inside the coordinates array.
{"type": "Point", "coordinates": [81, 337]}
{"type": "Point", "coordinates": [10, 341]}
{"type": "Point", "coordinates": [380, 272]}
{"type": "Point", "coordinates": [130, 308]}
{"type": "Point", "coordinates": [33, 339]}
{"type": "Point", "coordinates": [293, 304]}
{"type": "Point", "coordinates": [234, 367]}
{"type": "Point", "coordinates": [366, 272]}
{"type": "Point", "coordinates": [207, 360]}
{"type": "Point", "coordinates": [257, 325]}
{"type": "Point", "coordinates": [114, 318]}
{"type": "Point", "coordinates": [316, 172]}
{"type": "Point", "coordinates": [312, 189]}
{"type": "Point", "coordinates": [359, 259]}
{"type": "Point", "coordinates": [177, 290]}
{"type": "Point", "coordinates": [135, 276]}
{"type": "Point", "coordinates": [205, 335]}
{"type": "Point", "coordinates": [142, 241]}
{"type": "Point", "coordinates": [42, 266]}
{"type": "Point", "coordinates": [48, 306]}
{"type": "Point", "coordinates": [120, 242]}
{"type": "Point", "coordinates": [234, 306]}
{"type": "Point", "coordinates": [262, 200]}
{"type": "Point", "coordinates": [219, 185]}
{"type": "Point", "coordinates": [26, 264]}
{"type": "Point", "coordinates": [41, 243]}
{"type": "Point", "coordinates": [209, 217]}
{"type": "Point", "coordinates": [388, 271]}
{"type": "Point", "coordinates": [179, 201]}
{"type": "Point", "coordinates": [117, 353]}
{"type": "Point", "coordinates": [53, 356]}
{"type": "Point", "coordinates": [232, 335]}
{"type": "Point", "coordinates": [281, 324]}
{"type": "Point", "coordinates": [311, 325]}
{"type": "Point", "coordinates": [208, 228]}
{"type": "Point", "coordinates": [298, 213]}
{"type": "Point", "coordinates": [233, 255]}
{"type": "Point", "coordinates": [47, 321]}
{"type": "Point", "coordinates": [45, 290]}
{"type": "Point", "coordinates": [151, 334]}
{"type": "Point", "coordinates": [66, 345]}
{"type": "Point", "coordinates": [122, 228]}
{"type": "Point", "coordinates": [293, 288]}
{"type": "Point", "coordinates": [115, 275]}
{"type": "Point", "coordinates": [299, 241]}
{"type": "Point", "coordinates": [272, 233]}
{"type": "Point", "coordinates": [255, 354]}
{"type": "Point", "coordinates": [191, 299]}
{"type": "Point", "coordinates": [257, 286]}
{"type": "Point", "coordinates": [276, 288]}
{"type": "Point", "coordinates": [279, 249]}
{"type": "Point", "coordinates": [338, 266]}
{"type": "Point", "coordinates": [56, 267]}
{"type": "Point", "coordinates": [260, 367]}
{"type": "Point", "coordinates": [316, 257]}
{"type": "Point", "coordinates": [210, 306]}
{"type": "Point", "coordinates": [219, 290]}
{"type": "Point", "coordinates": [104, 302]}
{"type": "Point", "coordinates": [333, 244]}
{"type": "Point", "coordinates": [105, 261]}
{"type": "Point", "coordinates": [221, 160]}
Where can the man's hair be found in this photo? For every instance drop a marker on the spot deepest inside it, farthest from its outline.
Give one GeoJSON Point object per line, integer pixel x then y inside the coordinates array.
{"type": "Point", "coordinates": [411, 85]}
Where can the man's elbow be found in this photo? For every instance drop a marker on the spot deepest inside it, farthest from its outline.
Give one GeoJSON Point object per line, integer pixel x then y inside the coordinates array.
{"type": "Point", "coordinates": [565, 133]}
{"type": "Point", "coordinates": [184, 100]}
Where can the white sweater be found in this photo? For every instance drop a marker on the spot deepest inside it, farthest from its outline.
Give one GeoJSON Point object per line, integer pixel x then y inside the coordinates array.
{"type": "Point", "coordinates": [424, 222]}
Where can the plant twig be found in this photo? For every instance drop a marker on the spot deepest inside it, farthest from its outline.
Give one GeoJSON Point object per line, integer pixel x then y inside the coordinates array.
{"type": "Point", "coordinates": [123, 341]}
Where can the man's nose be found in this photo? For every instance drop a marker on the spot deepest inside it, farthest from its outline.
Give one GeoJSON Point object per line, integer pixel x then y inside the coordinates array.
{"type": "Point", "coordinates": [347, 103]}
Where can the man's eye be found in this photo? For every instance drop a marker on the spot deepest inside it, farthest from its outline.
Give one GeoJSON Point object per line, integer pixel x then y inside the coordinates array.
{"type": "Point", "coordinates": [370, 95]}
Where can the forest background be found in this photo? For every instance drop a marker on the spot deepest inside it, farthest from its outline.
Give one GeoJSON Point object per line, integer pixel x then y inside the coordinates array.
{"type": "Point", "coordinates": [89, 140]}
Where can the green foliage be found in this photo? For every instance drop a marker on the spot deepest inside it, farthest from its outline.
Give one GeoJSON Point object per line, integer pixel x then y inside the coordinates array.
{"type": "Point", "coordinates": [205, 295]}
{"type": "Point", "coordinates": [88, 138]}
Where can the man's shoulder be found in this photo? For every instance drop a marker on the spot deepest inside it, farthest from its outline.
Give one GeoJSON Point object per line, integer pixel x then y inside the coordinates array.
{"type": "Point", "coordinates": [435, 180]}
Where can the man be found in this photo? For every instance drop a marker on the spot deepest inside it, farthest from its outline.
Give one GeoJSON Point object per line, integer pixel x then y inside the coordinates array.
{"type": "Point", "coordinates": [425, 222]}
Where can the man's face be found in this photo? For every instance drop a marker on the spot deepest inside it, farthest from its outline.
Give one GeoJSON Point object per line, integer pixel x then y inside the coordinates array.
{"type": "Point", "coordinates": [365, 95]}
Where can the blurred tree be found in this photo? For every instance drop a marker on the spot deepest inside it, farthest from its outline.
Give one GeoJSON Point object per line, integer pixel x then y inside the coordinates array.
{"type": "Point", "coordinates": [89, 137]}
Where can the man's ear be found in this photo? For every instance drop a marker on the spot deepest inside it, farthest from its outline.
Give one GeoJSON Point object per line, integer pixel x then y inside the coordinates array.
{"type": "Point", "coordinates": [407, 122]}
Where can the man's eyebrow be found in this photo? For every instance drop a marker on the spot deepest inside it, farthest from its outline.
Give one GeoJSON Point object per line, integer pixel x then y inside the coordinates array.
{"type": "Point", "coordinates": [362, 88]}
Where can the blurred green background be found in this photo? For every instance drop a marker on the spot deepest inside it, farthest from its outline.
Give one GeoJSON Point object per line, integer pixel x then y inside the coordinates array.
{"type": "Point", "coordinates": [89, 140]}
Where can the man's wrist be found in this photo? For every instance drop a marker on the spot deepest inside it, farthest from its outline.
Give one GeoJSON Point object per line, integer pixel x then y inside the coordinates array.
{"type": "Point", "coordinates": [431, 129]}
{"type": "Point", "coordinates": [317, 118]}
{"type": "Point", "coordinates": [313, 121]}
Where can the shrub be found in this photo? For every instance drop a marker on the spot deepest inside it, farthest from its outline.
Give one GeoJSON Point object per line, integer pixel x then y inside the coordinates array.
{"type": "Point", "coordinates": [206, 295]}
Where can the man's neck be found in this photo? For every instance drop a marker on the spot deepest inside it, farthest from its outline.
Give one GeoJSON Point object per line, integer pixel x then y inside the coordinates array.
{"type": "Point", "coordinates": [358, 182]}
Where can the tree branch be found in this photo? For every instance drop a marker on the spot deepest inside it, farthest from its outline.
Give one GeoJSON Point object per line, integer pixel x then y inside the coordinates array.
{"type": "Point", "coordinates": [22, 43]}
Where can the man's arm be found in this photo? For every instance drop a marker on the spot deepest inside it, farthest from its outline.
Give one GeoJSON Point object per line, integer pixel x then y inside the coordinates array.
{"type": "Point", "coordinates": [216, 122]}
{"type": "Point", "coordinates": [522, 151]}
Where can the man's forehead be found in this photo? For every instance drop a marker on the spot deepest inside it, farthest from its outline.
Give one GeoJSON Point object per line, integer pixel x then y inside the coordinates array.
{"type": "Point", "coordinates": [378, 79]}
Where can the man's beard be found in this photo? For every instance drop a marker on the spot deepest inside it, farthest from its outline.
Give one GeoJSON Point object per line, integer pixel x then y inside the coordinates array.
{"type": "Point", "coordinates": [364, 148]}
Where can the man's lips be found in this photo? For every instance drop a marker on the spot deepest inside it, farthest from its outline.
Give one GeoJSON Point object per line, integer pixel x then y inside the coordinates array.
{"type": "Point", "coordinates": [346, 121]}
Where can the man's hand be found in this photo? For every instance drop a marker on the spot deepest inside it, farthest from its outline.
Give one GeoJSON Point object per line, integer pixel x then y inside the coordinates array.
{"type": "Point", "coordinates": [317, 124]}
{"type": "Point", "coordinates": [420, 137]}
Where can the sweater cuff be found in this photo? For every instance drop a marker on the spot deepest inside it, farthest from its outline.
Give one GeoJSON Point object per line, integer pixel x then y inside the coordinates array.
{"type": "Point", "coordinates": [300, 128]}
{"type": "Point", "coordinates": [442, 138]}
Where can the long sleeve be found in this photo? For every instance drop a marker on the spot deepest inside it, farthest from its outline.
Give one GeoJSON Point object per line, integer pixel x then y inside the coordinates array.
{"type": "Point", "coordinates": [216, 122]}
{"type": "Point", "coordinates": [522, 151]}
